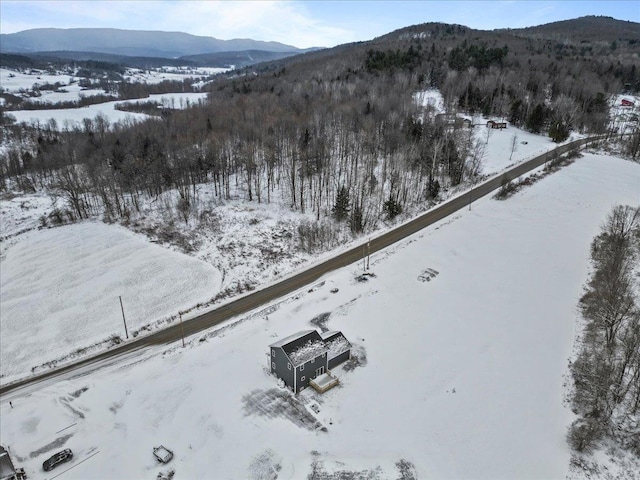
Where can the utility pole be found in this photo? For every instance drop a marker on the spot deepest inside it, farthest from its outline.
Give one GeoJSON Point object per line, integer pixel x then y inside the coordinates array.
{"type": "Point", "coordinates": [123, 318]}
{"type": "Point", "coordinates": [182, 330]}
{"type": "Point", "coordinates": [364, 260]}
{"type": "Point", "coordinates": [368, 252]}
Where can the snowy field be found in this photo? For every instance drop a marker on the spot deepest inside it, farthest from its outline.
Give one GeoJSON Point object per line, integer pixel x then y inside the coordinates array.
{"type": "Point", "coordinates": [14, 81]}
{"type": "Point", "coordinates": [60, 287]}
{"type": "Point", "coordinates": [172, 73]}
{"type": "Point", "coordinates": [461, 375]}
{"type": "Point", "coordinates": [74, 116]}
{"type": "Point", "coordinates": [246, 244]}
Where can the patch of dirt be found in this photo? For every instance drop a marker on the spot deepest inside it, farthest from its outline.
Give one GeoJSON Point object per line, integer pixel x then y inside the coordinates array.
{"type": "Point", "coordinates": [265, 466]}
{"type": "Point", "coordinates": [358, 358]}
{"type": "Point", "coordinates": [318, 472]}
{"type": "Point", "coordinates": [274, 403]}
{"type": "Point", "coordinates": [57, 443]}
{"type": "Point", "coordinates": [77, 393]}
{"type": "Point", "coordinates": [321, 321]}
{"type": "Point", "coordinates": [428, 274]}
{"type": "Point", "coordinates": [66, 402]}
{"type": "Point", "coordinates": [168, 475]}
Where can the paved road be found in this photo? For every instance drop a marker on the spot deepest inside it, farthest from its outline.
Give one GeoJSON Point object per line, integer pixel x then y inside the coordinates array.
{"type": "Point", "coordinates": [288, 285]}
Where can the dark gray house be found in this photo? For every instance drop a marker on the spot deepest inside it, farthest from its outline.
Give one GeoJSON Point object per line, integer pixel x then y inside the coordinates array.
{"type": "Point", "coordinates": [306, 355]}
{"type": "Point", "coordinates": [7, 470]}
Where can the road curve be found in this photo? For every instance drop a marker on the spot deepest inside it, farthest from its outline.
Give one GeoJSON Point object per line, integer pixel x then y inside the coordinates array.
{"type": "Point", "coordinates": [249, 302]}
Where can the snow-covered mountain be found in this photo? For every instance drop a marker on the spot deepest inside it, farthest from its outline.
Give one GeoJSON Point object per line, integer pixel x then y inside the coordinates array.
{"type": "Point", "coordinates": [128, 42]}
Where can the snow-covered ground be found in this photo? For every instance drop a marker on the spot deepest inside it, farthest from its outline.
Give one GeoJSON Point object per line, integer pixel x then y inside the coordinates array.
{"type": "Point", "coordinates": [246, 243]}
{"type": "Point", "coordinates": [75, 116]}
{"type": "Point", "coordinates": [60, 290]}
{"type": "Point", "coordinates": [70, 93]}
{"type": "Point", "coordinates": [461, 375]}
{"type": "Point", "coordinates": [13, 81]}
{"type": "Point", "coordinates": [172, 73]}
{"type": "Point", "coordinates": [502, 148]}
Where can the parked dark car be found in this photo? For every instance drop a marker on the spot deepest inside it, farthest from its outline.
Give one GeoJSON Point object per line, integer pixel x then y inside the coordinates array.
{"type": "Point", "coordinates": [60, 457]}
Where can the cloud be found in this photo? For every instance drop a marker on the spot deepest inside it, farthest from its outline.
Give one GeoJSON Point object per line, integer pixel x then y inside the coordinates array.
{"type": "Point", "coordinates": [282, 21]}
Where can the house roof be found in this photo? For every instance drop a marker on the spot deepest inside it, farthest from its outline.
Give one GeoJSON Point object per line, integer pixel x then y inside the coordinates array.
{"type": "Point", "coordinates": [292, 338]}
{"type": "Point", "coordinates": [336, 344]}
{"type": "Point", "coordinates": [308, 344]}
{"type": "Point", "coordinates": [309, 350]}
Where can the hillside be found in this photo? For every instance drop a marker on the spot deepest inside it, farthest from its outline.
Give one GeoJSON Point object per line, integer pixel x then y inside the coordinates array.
{"type": "Point", "coordinates": [585, 30]}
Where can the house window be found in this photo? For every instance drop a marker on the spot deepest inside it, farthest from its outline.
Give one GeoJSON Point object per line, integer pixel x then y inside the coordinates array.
{"type": "Point", "coordinates": [303, 379]}
{"type": "Point", "coordinates": [313, 360]}
{"type": "Point", "coordinates": [273, 353]}
{"type": "Point", "coordinates": [289, 366]}
{"type": "Point", "coordinates": [302, 367]}
{"type": "Point", "coordinates": [273, 365]}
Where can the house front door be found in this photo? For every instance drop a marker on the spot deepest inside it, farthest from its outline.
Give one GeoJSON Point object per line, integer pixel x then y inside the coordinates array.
{"type": "Point", "coordinates": [319, 371]}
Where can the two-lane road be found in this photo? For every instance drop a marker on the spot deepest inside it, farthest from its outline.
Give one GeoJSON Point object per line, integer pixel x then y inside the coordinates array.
{"type": "Point", "coordinates": [249, 302]}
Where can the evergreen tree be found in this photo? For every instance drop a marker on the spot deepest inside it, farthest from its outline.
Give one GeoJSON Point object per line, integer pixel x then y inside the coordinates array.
{"type": "Point", "coordinates": [536, 119]}
{"type": "Point", "coordinates": [341, 208]}
{"type": "Point", "coordinates": [392, 208]}
{"type": "Point", "coordinates": [356, 221]}
{"type": "Point", "coordinates": [558, 132]}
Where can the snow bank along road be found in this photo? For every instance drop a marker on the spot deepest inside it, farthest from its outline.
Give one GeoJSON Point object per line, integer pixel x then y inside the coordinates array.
{"type": "Point", "coordinates": [249, 302]}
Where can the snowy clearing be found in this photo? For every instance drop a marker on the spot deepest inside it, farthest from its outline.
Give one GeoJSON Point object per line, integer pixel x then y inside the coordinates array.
{"type": "Point", "coordinates": [13, 81]}
{"type": "Point", "coordinates": [172, 73]}
{"type": "Point", "coordinates": [74, 116]}
{"type": "Point", "coordinates": [460, 376]}
{"type": "Point", "coordinates": [60, 289]}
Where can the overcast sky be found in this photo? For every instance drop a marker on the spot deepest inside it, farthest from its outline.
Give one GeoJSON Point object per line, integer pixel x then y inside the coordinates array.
{"type": "Point", "coordinates": [300, 23]}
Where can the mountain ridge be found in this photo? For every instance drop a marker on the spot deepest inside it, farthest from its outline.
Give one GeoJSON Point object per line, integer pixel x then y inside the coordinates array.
{"type": "Point", "coordinates": [143, 43]}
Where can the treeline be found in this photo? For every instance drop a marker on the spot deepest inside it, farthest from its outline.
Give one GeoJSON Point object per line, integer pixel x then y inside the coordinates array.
{"type": "Point", "coordinates": [539, 84]}
{"type": "Point", "coordinates": [114, 90]}
{"type": "Point", "coordinates": [606, 372]}
{"type": "Point", "coordinates": [336, 133]}
{"type": "Point", "coordinates": [270, 139]}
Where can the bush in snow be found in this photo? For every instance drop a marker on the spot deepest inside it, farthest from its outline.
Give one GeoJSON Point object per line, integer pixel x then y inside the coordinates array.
{"type": "Point", "coordinates": [584, 434]}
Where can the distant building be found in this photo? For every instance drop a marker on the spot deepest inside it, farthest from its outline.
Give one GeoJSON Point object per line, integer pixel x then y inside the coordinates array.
{"type": "Point", "coordinates": [307, 355]}
{"type": "Point", "coordinates": [626, 103]}
{"type": "Point", "coordinates": [452, 121]}
{"type": "Point", "coordinates": [498, 125]}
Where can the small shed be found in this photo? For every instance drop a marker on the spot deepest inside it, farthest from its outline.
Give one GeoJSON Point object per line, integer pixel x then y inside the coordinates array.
{"type": "Point", "coordinates": [497, 125]}
{"type": "Point", "coordinates": [306, 355]}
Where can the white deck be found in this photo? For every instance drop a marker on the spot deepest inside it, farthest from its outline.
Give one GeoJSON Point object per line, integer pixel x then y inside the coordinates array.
{"type": "Point", "coordinates": [324, 382]}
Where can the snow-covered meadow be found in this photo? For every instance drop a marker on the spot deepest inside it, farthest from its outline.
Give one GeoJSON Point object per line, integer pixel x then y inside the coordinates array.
{"type": "Point", "coordinates": [462, 375]}
{"type": "Point", "coordinates": [14, 81]}
{"type": "Point", "coordinates": [25, 82]}
{"type": "Point", "coordinates": [74, 116]}
{"type": "Point", "coordinates": [60, 290]}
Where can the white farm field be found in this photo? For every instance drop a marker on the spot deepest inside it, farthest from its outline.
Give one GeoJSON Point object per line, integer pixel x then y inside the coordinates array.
{"type": "Point", "coordinates": [74, 116]}
{"type": "Point", "coordinates": [461, 375]}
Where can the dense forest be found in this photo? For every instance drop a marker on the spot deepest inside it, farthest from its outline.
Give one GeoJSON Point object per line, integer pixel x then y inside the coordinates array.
{"type": "Point", "coordinates": [606, 372]}
{"type": "Point", "coordinates": [335, 133]}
